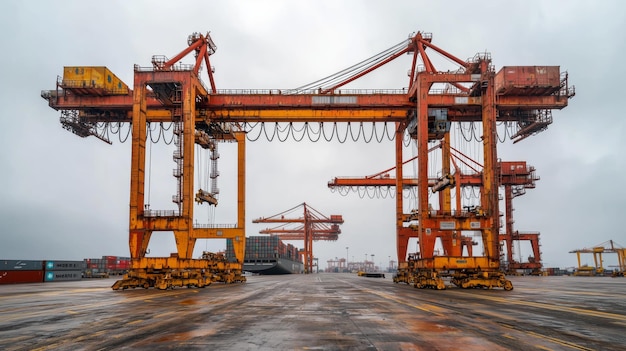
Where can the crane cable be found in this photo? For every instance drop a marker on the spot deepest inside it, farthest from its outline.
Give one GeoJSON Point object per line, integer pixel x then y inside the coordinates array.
{"type": "Point", "coordinates": [149, 172]}
{"type": "Point", "coordinates": [352, 70]}
{"type": "Point", "coordinates": [104, 129]}
{"type": "Point", "coordinates": [282, 132]}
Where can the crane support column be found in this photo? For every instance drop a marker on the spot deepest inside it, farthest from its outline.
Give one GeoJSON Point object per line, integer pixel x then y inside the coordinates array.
{"type": "Point", "coordinates": [450, 240]}
{"type": "Point", "coordinates": [239, 241]}
{"type": "Point", "coordinates": [426, 274]}
{"type": "Point", "coordinates": [489, 199]}
{"type": "Point", "coordinates": [402, 238]}
{"type": "Point", "coordinates": [138, 235]}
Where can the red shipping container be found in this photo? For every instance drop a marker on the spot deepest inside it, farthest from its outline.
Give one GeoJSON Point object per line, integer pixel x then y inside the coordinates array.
{"type": "Point", "coordinates": [532, 80]}
{"type": "Point", "coordinates": [14, 277]}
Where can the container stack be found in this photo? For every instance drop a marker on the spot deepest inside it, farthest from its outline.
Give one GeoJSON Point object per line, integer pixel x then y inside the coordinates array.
{"type": "Point", "coordinates": [117, 265]}
{"type": "Point", "coordinates": [264, 247]}
{"type": "Point", "coordinates": [110, 265]}
{"type": "Point", "coordinates": [25, 271]}
{"type": "Point", "coordinates": [55, 271]}
{"type": "Point", "coordinates": [527, 80]}
{"type": "Point", "coordinates": [21, 271]}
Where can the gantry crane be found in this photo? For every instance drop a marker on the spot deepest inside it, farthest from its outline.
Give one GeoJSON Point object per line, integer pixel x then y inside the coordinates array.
{"type": "Point", "coordinates": [474, 92]}
{"type": "Point", "coordinates": [514, 177]}
{"type": "Point", "coordinates": [167, 92]}
{"type": "Point", "coordinates": [171, 92]}
{"type": "Point", "coordinates": [609, 246]}
{"type": "Point", "coordinates": [311, 226]}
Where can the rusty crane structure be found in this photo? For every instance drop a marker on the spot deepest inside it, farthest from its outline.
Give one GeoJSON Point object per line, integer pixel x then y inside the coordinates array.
{"type": "Point", "coordinates": [514, 178]}
{"type": "Point", "coordinates": [311, 226]}
{"type": "Point", "coordinates": [93, 99]}
{"type": "Point", "coordinates": [475, 92]}
{"type": "Point", "coordinates": [172, 92]}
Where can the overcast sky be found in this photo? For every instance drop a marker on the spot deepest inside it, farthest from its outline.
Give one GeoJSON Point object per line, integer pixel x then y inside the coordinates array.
{"type": "Point", "coordinates": [64, 197]}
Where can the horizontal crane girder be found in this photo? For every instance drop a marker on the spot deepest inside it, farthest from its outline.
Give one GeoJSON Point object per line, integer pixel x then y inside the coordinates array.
{"type": "Point", "coordinates": [300, 108]}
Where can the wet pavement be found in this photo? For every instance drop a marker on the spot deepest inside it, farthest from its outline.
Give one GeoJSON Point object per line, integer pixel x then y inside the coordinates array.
{"type": "Point", "coordinates": [316, 312]}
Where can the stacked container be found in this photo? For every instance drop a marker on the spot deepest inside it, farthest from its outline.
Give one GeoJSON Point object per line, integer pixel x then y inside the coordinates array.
{"type": "Point", "coordinates": [95, 265]}
{"type": "Point", "coordinates": [116, 265]}
{"type": "Point", "coordinates": [21, 271]}
{"type": "Point", "coordinates": [264, 248]}
{"type": "Point", "coordinates": [528, 80]}
{"type": "Point", "coordinates": [63, 270]}
{"type": "Point", "coordinates": [112, 265]}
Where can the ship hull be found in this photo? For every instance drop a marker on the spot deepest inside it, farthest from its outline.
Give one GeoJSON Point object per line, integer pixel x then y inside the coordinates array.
{"type": "Point", "coordinates": [273, 266]}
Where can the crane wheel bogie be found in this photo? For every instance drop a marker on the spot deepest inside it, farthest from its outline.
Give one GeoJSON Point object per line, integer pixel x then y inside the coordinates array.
{"type": "Point", "coordinates": [429, 281]}
{"type": "Point", "coordinates": [484, 280]}
{"type": "Point", "coordinates": [171, 278]}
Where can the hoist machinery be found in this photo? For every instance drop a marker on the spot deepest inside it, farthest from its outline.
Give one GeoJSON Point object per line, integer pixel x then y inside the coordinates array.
{"type": "Point", "coordinates": [426, 111]}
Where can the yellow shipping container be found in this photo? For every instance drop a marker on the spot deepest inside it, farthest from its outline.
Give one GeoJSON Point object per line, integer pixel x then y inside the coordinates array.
{"type": "Point", "coordinates": [93, 80]}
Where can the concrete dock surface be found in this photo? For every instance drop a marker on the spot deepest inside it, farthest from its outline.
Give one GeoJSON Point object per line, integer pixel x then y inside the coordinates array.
{"type": "Point", "coordinates": [316, 312]}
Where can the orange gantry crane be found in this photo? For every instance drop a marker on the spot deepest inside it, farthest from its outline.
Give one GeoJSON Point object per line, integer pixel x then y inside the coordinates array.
{"type": "Point", "coordinates": [311, 226]}
{"type": "Point", "coordinates": [168, 92]}
{"type": "Point", "coordinates": [95, 104]}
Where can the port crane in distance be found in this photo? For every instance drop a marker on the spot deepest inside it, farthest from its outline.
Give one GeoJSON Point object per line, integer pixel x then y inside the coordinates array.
{"type": "Point", "coordinates": [311, 226]}
{"type": "Point", "coordinates": [597, 251]}
{"type": "Point", "coordinates": [170, 92]}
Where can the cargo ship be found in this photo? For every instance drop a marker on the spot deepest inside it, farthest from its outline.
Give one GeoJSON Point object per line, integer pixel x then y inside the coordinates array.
{"type": "Point", "coordinates": [268, 255]}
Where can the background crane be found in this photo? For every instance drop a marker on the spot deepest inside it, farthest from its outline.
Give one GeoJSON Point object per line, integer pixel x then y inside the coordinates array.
{"type": "Point", "coordinates": [514, 177]}
{"type": "Point", "coordinates": [609, 246]}
{"type": "Point", "coordinates": [311, 226]}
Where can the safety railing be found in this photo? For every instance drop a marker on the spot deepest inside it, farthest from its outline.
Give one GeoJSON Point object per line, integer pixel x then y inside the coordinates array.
{"type": "Point", "coordinates": [89, 84]}
{"type": "Point", "coordinates": [161, 213]}
{"type": "Point", "coordinates": [309, 92]}
{"type": "Point", "coordinates": [213, 225]}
